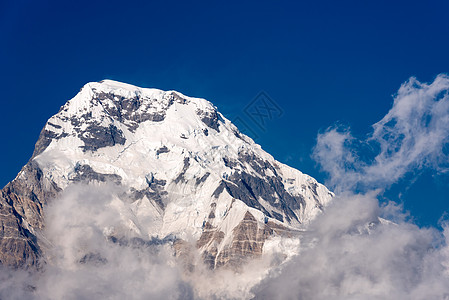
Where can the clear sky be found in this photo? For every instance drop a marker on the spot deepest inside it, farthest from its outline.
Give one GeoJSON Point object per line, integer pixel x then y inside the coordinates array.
{"type": "Point", "coordinates": [320, 62]}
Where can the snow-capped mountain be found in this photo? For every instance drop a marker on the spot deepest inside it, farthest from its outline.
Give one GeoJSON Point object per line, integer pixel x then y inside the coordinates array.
{"type": "Point", "coordinates": [186, 170]}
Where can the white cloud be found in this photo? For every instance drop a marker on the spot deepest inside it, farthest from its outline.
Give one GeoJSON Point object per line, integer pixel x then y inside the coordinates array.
{"type": "Point", "coordinates": [78, 225]}
{"type": "Point", "coordinates": [77, 229]}
{"type": "Point", "coordinates": [412, 135]}
{"type": "Point", "coordinates": [350, 252]}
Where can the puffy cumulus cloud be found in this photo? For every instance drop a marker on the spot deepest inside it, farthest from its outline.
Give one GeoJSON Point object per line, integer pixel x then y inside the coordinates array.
{"type": "Point", "coordinates": [350, 251]}
{"type": "Point", "coordinates": [412, 135]}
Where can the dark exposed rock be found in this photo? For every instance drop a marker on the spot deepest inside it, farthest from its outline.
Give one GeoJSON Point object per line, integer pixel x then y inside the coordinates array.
{"type": "Point", "coordinates": [210, 118]}
{"type": "Point", "coordinates": [155, 117]}
{"type": "Point", "coordinates": [277, 216]}
{"type": "Point", "coordinates": [220, 188]}
{"type": "Point", "coordinates": [127, 108]}
{"type": "Point", "coordinates": [248, 240]}
{"type": "Point", "coordinates": [96, 137]}
{"type": "Point", "coordinates": [231, 163]}
{"type": "Point", "coordinates": [155, 192]}
{"type": "Point", "coordinates": [210, 238]}
{"type": "Point", "coordinates": [85, 173]}
{"type": "Point", "coordinates": [29, 191]}
{"type": "Point", "coordinates": [18, 247]}
{"type": "Point", "coordinates": [160, 182]}
{"type": "Point", "coordinates": [259, 165]}
{"type": "Point", "coordinates": [212, 211]}
{"type": "Point", "coordinates": [45, 139]}
{"type": "Point", "coordinates": [180, 177]}
{"type": "Point", "coordinates": [131, 110]}
{"type": "Point", "coordinates": [175, 97]}
{"type": "Point", "coordinates": [161, 150]}
{"type": "Point", "coordinates": [202, 178]}
{"type": "Point", "coordinates": [313, 186]}
{"type": "Point", "coordinates": [121, 106]}
{"type": "Point", "coordinates": [54, 125]}
{"type": "Point", "coordinates": [249, 188]}
{"type": "Point", "coordinates": [84, 118]}
{"type": "Point", "coordinates": [21, 203]}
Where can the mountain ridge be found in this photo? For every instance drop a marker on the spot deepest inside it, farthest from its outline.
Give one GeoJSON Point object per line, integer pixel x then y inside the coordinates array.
{"type": "Point", "coordinates": [187, 170]}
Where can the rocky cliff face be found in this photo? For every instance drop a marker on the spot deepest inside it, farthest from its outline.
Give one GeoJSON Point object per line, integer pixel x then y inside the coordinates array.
{"type": "Point", "coordinates": [186, 169]}
{"type": "Point", "coordinates": [21, 205]}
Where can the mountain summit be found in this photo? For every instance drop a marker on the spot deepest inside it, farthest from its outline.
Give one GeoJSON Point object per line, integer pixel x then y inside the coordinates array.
{"type": "Point", "coordinates": [187, 172]}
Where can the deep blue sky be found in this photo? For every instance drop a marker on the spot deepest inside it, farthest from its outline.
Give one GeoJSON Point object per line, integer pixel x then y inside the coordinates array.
{"type": "Point", "coordinates": [320, 61]}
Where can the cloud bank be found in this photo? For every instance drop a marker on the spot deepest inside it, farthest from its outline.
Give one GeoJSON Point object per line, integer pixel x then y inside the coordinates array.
{"type": "Point", "coordinates": [350, 251]}
{"type": "Point", "coordinates": [83, 263]}
{"type": "Point", "coordinates": [92, 252]}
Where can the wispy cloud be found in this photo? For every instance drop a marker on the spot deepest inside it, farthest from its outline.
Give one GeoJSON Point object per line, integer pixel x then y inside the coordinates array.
{"type": "Point", "coordinates": [412, 135]}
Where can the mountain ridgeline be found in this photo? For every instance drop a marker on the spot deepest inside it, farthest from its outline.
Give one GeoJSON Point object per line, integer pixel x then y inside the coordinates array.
{"type": "Point", "coordinates": [185, 169]}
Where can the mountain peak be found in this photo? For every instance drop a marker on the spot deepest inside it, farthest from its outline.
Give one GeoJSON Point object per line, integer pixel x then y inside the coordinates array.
{"type": "Point", "coordinates": [116, 84]}
{"type": "Point", "coordinates": [186, 170]}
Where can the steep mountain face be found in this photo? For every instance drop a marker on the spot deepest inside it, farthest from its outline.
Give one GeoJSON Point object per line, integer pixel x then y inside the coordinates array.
{"type": "Point", "coordinates": [186, 169]}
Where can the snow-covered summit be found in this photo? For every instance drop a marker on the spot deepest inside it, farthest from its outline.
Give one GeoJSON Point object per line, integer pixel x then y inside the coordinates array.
{"type": "Point", "coordinates": [188, 171]}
